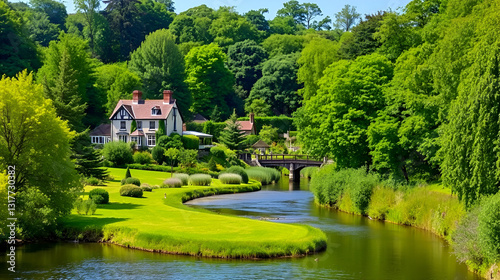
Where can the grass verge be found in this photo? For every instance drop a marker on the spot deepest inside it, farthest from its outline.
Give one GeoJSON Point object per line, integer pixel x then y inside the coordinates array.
{"type": "Point", "coordinates": [161, 222]}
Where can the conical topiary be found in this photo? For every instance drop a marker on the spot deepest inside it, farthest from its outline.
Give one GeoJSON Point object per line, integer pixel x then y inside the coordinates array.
{"type": "Point", "coordinates": [127, 175]}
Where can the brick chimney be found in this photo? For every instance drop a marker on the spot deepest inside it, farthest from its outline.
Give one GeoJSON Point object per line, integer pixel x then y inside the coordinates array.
{"type": "Point", "coordinates": [251, 117]}
{"type": "Point", "coordinates": [167, 97]}
{"type": "Point", "coordinates": [137, 95]}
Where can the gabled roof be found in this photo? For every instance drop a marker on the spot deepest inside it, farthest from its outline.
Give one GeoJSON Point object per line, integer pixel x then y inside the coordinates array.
{"type": "Point", "coordinates": [142, 110]}
{"type": "Point", "coordinates": [137, 133]}
{"type": "Point", "coordinates": [260, 144]}
{"type": "Point", "coordinates": [199, 118]}
{"type": "Point", "coordinates": [102, 130]}
{"type": "Point", "coordinates": [246, 125]}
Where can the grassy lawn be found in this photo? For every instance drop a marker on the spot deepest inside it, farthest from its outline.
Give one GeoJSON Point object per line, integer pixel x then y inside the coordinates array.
{"type": "Point", "coordinates": [159, 224]}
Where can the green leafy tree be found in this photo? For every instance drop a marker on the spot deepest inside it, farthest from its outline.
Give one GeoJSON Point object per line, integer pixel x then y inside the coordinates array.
{"type": "Point", "coordinates": [40, 28]}
{"type": "Point", "coordinates": [118, 82]}
{"type": "Point", "coordinates": [324, 24]}
{"type": "Point", "coordinates": [257, 18]}
{"type": "Point", "coordinates": [232, 136]}
{"type": "Point", "coordinates": [293, 9]}
{"type": "Point", "coordinates": [118, 152]}
{"type": "Point", "coordinates": [160, 65]}
{"type": "Point", "coordinates": [37, 142]}
{"type": "Point", "coordinates": [89, 9]}
{"type": "Point", "coordinates": [64, 94]}
{"type": "Point", "coordinates": [123, 18]}
{"type": "Point", "coordinates": [268, 134]}
{"type": "Point", "coordinates": [216, 115]}
{"type": "Point", "coordinates": [55, 10]}
{"type": "Point", "coordinates": [278, 85]}
{"type": "Point", "coordinates": [172, 155]}
{"type": "Point", "coordinates": [154, 15]}
{"type": "Point", "coordinates": [283, 44]}
{"type": "Point", "coordinates": [283, 25]}
{"type": "Point", "coordinates": [346, 18]}
{"type": "Point", "coordinates": [17, 50]}
{"type": "Point", "coordinates": [318, 54]}
{"type": "Point", "coordinates": [208, 79]}
{"type": "Point", "coordinates": [245, 60]}
{"type": "Point", "coordinates": [311, 11]}
{"type": "Point", "coordinates": [187, 158]}
{"type": "Point", "coordinates": [169, 4]}
{"type": "Point", "coordinates": [229, 28]}
{"type": "Point", "coordinates": [193, 25]}
{"type": "Point", "coordinates": [259, 107]}
{"type": "Point", "coordinates": [334, 122]}
{"type": "Point", "coordinates": [362, 41]}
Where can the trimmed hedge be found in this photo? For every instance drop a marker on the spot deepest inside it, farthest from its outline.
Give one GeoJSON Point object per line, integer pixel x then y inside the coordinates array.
{"type": "Point", "coordinates": [237, 170]}
{"type": "Point", "coordinates": [200, 180]}
{"type": "Point", "coordinates": [132, 180]}
{"type": "Point", "coordinates": [282, 123]}
{"type": "Point", "coordinates": [190, 142]}
{"type": "Point", "coordinates": [99, 196]}
{"type": "Point", "coordinates": [230, 178]}
{"type": "Point", "coordinates": [131, 190]}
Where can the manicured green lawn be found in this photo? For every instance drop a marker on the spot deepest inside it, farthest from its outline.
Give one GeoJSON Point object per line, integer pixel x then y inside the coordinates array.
{"type": "Point", "coordinates": [160, 224]}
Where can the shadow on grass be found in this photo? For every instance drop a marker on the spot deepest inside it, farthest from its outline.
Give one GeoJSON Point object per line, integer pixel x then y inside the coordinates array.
{"type": "Point", "coordinates": [120, 206]}
{"type": "Point", "coordinates": [83, 221]}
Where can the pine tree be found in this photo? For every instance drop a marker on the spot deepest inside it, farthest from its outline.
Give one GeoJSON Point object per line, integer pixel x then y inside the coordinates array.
{"type": "Point", "coordinates": [232, 136]}
{"type": "Point", "coordinates": [88, 161]}
{"type": "Point", "coordinates": [215, 116]}
{"type": "Point", "coordinates": [64, 95]}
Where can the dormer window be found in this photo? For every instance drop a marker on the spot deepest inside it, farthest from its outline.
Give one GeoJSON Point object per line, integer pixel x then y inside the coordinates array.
{"type": "Point", "coordinates": [155, 111]}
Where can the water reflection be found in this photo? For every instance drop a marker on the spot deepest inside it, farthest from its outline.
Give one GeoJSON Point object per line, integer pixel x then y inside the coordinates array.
{"type": "Point", "coordinates": [358, 248]}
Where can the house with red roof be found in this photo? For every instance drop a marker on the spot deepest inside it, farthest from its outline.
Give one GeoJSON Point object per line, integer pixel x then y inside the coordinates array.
{"type": "Point", "coordinates": [248, 126]}
{"type": "Point", "coordinates": [148, 116]}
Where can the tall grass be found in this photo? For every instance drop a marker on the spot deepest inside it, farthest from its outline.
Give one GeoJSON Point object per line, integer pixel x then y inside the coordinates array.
{"type": "Point", "coordinates": [308, 172]}
{"type": "Point", "coordinates": [200, 180]}
{"type": "Point", "coordinates": [183, 177]}
{"type": "Point", "coordinates": [263, 174]}
{"type": "Point", "coordinates": [172, 183]}
{"type": "Point", "coordinates": [230, 178]}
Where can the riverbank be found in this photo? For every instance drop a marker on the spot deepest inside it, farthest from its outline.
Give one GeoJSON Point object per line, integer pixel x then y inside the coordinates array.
{"type": "Point", "coordinates": [156, 223]}
{"type": "Point", "coordinates": [429, 207]}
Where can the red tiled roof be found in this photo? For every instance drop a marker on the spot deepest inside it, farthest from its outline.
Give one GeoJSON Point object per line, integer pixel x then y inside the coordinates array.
{"type": "Point", "coordinates": [137, 133]}
{"type": "Point", "coordinates": [142, 110]}
{"type": "Point", "coordinates": [246, 125]}
{"type": "Point", "coordinates": [102, 130]}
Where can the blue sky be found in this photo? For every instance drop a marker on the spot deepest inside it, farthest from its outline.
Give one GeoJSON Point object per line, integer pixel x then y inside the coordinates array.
{"type": "Point", "coordinates": [329, 7]}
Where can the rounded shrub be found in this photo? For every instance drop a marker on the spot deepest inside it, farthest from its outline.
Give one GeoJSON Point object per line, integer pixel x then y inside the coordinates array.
{"type": "Point", "coordinates": [146, 187]}
{"type": "Point", "coordinates": [489, 228]}
{"type": "Point", "coordinates": [92, 181]}
{"type": "Point", "coordinates": [230, 178]}
{"type": "Point", "coordinates": [143, 158]}
{"type": "Point", "coordinates": [131, 190]}
{"type": "Point", "coordinates": [200, 180]}
{"type": "Point", "coordinates": [238, 170]}
{"type": "Point", "coordinates": [172, 183]}
{"type": "Point", "coordinates": [158, 154]}
{"type": "Point", "coordinates": [134, 181]}
{"type": "Point", "coordinates": [99, 196]}
{"type": "Point", "coordinates": [118, 152]}
{"type": "Point", "coordinates": [218, 153]}
{"type": "Point", "coordinates": [183, 177]}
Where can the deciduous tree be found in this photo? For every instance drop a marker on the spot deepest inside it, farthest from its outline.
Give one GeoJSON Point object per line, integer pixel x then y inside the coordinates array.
{"type": "Point", "coordinates": [346, 18]}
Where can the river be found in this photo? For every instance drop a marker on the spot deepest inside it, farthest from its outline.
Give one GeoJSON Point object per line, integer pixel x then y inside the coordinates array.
{"type": "Point", "coordinates": [358, 248]}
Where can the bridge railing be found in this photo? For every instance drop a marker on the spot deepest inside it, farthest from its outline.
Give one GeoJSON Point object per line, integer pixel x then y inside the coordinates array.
{"type": "Point", "coordinates": [287, 157]}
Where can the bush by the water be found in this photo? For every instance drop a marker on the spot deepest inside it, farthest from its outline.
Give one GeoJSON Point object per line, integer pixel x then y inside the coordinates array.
{"type": "Point", "coordinates": [183, 177]}
{"type": "Point", "coordinates": [142, 158]}
{"type": "Point", "coordinates": [238, 170]}
{"type": "Point", "coordinates": [200, 180]}
{"type": "Point", "coordinates": [85, 206]}
{"type": "Point", "coordinates": [146, 187]}
{"type": "Point", "coordinates": [489, 228]}
{"type": "Point", "coordinates": [263, 174]}
{"type": "Point", "coordinates": [99, 196]}
{"type": "Point", "coordinates": [329, 185]}
{"type": "Point", "coordinates": [230, 178]}
{"type": "Point", "coordinates": [131, 180]}
{"type": "Point", "coordinates": [466, 240]}
{"type": "Point", "coordinates": [118, 152]}
{"type": "Point", "coordinates": [308, 172]}
{"type": "Point", "coordinates": [172, 183]}
{"type": "Point", "coordinates": [131, 190]}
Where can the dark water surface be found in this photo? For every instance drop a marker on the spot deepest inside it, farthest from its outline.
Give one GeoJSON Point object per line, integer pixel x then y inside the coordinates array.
{"type": "Point", "coordinates": [358, 248]}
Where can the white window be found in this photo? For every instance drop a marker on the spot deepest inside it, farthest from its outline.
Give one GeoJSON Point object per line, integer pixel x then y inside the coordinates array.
{"type": "Point", "coordinates": [123, 125]}
{"type": "Point", "coordinates": [93, 139]}
{"type": "Point", "coordinates": [152, 125]}
{"type": "Point", "coordinates": [139, 125]}
{"type": "Point", "coordinates": [151, 140]}
{"type": "Point", "coordinates": [122, 138]}
{"type": "Point", "coordinates": [97, 139]}
{"type": "Point", "coordinates": [136, 140]}
{"type": "Point", "coordinates": [155, 111]}
{"type": "Point", "coordinates": [108, 139]}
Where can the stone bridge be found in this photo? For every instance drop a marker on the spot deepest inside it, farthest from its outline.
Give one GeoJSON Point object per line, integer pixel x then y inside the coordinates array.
{"type": "Point", "coordinates": [294, 163]}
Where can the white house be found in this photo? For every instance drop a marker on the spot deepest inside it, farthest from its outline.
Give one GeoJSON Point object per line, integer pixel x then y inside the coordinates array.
{"type": "Point", "coordinates": [148, 116]}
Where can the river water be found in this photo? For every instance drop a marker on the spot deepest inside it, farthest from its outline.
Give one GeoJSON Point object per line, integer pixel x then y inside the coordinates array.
{"type": "Point", "coordinates": [358, 248]}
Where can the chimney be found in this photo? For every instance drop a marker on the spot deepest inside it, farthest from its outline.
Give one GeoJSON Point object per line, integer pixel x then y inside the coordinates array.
{"type": "Point", "coordinates": [137, 95]}
{"type": "Point", "coordinates": [167, 97]}
{"type": "Point", "coordinates": [251, 117]}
